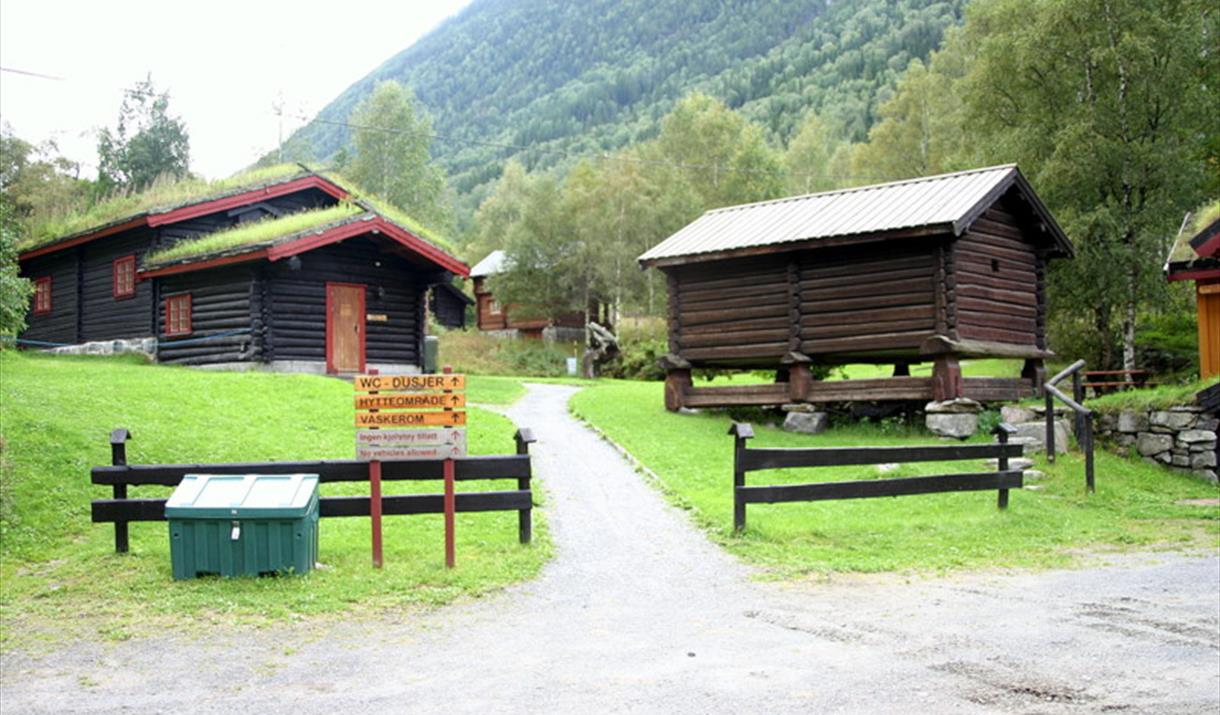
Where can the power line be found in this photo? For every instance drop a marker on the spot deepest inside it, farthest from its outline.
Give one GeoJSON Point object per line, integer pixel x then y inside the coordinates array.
{"type": "Point", "coordinates": [31, 74]}
{"type": "Point", "coordinates": [601, 157]}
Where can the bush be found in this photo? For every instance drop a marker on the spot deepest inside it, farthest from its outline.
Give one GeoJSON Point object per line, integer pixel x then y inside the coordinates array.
{"type": "Point", "coordinates": [1168, 345]}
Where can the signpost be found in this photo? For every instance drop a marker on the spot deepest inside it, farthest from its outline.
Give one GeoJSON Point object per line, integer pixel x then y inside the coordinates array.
{"type": "Point", "coordinates": [410, 401]}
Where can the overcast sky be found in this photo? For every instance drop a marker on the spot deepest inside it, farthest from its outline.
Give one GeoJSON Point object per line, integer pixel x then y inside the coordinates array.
{"type": "Point", "coordinates": [224, 63]}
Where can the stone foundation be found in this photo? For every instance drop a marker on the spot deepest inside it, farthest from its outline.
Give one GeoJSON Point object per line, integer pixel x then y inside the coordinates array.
{"type": "Point", "coordinates": [1181, 438]}
{"type": "Point", "coordinates": [143, 346]}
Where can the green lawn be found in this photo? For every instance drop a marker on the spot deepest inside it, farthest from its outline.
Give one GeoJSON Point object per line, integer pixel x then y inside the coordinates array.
{"type": "Point", "coordinates": [692, 456]}
{"type": "Point", "coordinates": [57, 414]}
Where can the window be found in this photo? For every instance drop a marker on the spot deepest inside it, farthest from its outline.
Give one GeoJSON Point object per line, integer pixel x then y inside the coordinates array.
{"type": "Point", "coordinates": [494, 307]}
{"type": "Point", "coordinates": [42, 295]}
{"type": "Point", "coordinates": [124, 281]}
{"type": "Point", "coordinates": [178, 314]}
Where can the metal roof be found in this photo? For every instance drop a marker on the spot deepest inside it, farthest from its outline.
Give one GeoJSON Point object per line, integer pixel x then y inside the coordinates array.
{"type": "Point", "coordinates": [489, 266]}
{"type": "Point", "coordinates": [948, 201]}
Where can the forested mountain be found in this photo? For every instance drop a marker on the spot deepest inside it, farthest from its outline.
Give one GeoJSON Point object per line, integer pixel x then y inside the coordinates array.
{"type": "Point", "coordinates": [560, 79]}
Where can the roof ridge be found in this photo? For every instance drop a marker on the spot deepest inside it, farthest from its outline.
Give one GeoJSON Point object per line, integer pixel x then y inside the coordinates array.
{"type": "Point", "coordinates": [858, 189]}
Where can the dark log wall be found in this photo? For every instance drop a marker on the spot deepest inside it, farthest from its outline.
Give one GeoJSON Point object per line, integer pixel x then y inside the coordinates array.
{"type": "Point", "coordinates": [485, 318]}
{"type": "Point", "coordinates": [223, 301]}
{"type": "Point", "coordinates": [449, 309]}
{"type": "Point", "coordinates": [876, 300]}
{"type": "Point", "coordinates": [869, 301]}
{"type": "Point", "coordinates": [995, 281]}
{"type": "Point", "coordinates": [296, 303]}
{"type": "Point", "coordinates": [104, 317]}
{"type": "Point", "coordinates": [732, 312]}
{"type": "Point", "coordinates": [60, 325]}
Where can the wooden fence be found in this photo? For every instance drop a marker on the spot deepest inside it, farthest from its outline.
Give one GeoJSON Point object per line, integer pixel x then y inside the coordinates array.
{"type": "Point", "coordinates": [122, 509]}
{"type": "Point", "coordinates": [746, 460]}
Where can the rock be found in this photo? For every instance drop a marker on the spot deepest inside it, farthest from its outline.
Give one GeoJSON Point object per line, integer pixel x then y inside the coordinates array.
{"type": "Point", "coordinates": [1013, 463]}
{"type": "Point", "coordinates": [1035, 433]}
{"type": "Point", "coordinates": [1196, 435]}
{"type": "Point", "coordinates": [1203, 460]}
{"type": "Point", "coordinates": [1164, 458]}
{"type": "Point", "coordinates": [1195, 409]}
{"type": "Point", "coordinates": [887, 467]}
{"type": "Point", "coordinates": [1210, 424]}
{"type": "Point", "coordinates": [1124, 440]}
{"type": "Point", "coordinates": [798, 407]}
{"type": "Point", "coordinates": [1034, 475]}
{"type": "Point", "coordinates": [957, 406]}
{"type": "Point", "coordinates": [1179, 460]}
{"type": "Point", "coordinates": [806, 422]}
{"type": "Point", "coordinates": [1173, 420]}
{"type": "Point", "coordinates": [1203, 446]}
{"type": "Point", "coordinates": [689, 410]}
{"type": "Point", "coordinates": [1106, 422]}
{"type": "Point", "coordinates": [956, 425]}
{"type": "Point", "coordinates": [1150, 443]}
{"type": "Point", "coordinates": [1033, 487]}
{"type": "Point", "coordinates": [1131, 422]}
{"type": "Point", "coordinates": [1208, 474]}
{"type": "Point", "coordinates": [1012, 414]}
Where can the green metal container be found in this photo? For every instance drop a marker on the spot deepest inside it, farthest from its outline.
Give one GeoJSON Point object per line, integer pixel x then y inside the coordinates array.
{"type": "Point", "coordinates": [243, 524]}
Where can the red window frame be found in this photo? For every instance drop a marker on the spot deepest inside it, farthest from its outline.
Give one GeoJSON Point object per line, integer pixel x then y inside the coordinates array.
{"type": "Point", "coordinates": [178, 314]}
{"type": "Point", "coordinates": [42, 295]}
{"type": "Point", "coordinates": [123, 277]}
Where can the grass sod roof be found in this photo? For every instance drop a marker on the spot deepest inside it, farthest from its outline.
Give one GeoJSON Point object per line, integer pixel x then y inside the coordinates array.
{"type": "Point", "coordinates": [256, 234]}
{"type": "Point", "coordinates": [1200, 219]}
{"type": "Point", "coordinates": [161, 196]}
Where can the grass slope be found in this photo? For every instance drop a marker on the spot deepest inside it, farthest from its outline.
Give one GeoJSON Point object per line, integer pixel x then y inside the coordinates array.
{"type": "Point", "coordinates": [692, 456]}
{"type": "Point", "coordinates": [57, 413]}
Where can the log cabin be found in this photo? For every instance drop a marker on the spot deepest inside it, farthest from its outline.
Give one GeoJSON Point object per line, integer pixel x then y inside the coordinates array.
{"type": "Point", "coordinates": [1195, 256]}
{"type": "Point", "coordinates": [934, 269]}
{"type": "Point", "coordinates": [296, 273]}
{"type": "Point", "coordinates": [495, 317]}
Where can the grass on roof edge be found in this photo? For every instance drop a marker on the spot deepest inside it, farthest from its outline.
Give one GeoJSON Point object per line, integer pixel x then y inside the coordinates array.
{"type": "Point", "coordinates": [253, 233]}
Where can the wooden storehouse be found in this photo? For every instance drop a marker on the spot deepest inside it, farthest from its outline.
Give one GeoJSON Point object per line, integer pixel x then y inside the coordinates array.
{"type": "Point", "coordinates": [494, 316]}
{"type": "Point", "coordinates": [932, 269]}
{"type": "Point", "coordinates": [294, 274]}
{"type": "Point", "coordinates": [1196, 257]}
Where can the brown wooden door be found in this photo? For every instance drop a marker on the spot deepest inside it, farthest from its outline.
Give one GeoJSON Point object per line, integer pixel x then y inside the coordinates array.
{"type": "Point", "coordinates": [1209, 329]}
{"type": "Point", "coordinates": [344, 327]}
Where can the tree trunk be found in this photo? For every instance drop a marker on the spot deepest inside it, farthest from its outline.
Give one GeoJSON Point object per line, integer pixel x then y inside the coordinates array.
{"type": "Point", "coordinates": [1129, 323]}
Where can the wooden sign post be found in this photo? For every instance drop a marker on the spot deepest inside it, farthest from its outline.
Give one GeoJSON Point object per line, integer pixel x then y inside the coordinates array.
{"type": "Point", "coordinates": [385, 403]}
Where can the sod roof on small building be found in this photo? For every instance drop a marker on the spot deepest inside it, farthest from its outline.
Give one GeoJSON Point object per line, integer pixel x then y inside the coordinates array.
{"type": "Point", "coordinates": [1197, 246]}
{"type": "Point", "coordinates": [947, 202]}
{"type": "Point", "coordinates": [162, 197]}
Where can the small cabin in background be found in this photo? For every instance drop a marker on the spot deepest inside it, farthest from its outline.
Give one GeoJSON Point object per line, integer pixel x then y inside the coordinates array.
{"type": "Point", "coordinates": [932, 269]}
{"type": "Point", "coordinates": [495, 317]}
{"type": "Point", "coordinates": [1196, 257]}
{"type": "Point", "coordinates": [294, 273]}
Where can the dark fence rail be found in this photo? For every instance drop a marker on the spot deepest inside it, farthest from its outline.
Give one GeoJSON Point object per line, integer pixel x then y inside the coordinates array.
{"type": "Point", "coordinates": [747, 460]}
{"type": "Point", "coordinates": [1083, 417]}
{"type": "Point", "coordinates": [122, 510]}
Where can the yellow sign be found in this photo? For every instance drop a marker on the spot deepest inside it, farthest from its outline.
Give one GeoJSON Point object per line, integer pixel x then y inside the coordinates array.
{"type": "Point", "coordinates": [410, 419]}
{"type": "Point", "coordinates": [410, 401]}
{"type": "Point", "coordinates": [409, 383]}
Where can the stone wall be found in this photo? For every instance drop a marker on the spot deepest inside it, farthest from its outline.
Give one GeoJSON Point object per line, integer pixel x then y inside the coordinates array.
{"type": "Point", "coordinates": [1182, 438]}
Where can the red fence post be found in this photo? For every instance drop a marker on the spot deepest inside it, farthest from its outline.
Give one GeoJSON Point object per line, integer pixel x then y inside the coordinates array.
{"type": "Point", "coordinates": [375, 498]}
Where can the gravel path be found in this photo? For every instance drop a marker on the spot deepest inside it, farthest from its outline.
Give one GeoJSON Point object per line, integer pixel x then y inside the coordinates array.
{"type": "Point", "coordinates": [644, 614]}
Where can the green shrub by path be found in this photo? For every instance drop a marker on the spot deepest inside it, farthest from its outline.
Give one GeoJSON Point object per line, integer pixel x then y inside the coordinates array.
{"type": "Point", "coordinates": [1135, 503]}
{"type": "Point", "coordinates": [476, 353]}
{"type": "Point", "coordinates": [57, 414]}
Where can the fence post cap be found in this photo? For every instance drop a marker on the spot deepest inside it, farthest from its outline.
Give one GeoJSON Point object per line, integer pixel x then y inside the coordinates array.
{"type": "Point", "coordinates": [1004, 428]}
{"type": "Point", "coordinates": [119, 436]}
{"type": "Point", "coordinates": [742, 430]}
{"type": "Point", "coordinates": [525, 435]}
